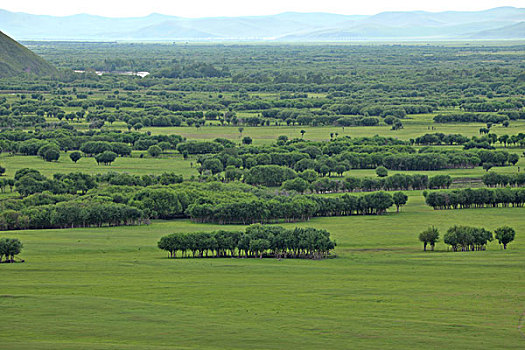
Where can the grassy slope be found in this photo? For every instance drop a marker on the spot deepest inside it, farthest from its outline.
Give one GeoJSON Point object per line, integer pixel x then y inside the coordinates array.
{"type": "Point", "coordinates": [111, 288]}
{"type": "Point", "coordinates": [16, 59]}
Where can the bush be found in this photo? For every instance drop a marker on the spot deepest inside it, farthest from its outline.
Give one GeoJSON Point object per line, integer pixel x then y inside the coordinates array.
{"type": "Point", "coordinates": [381, 171]}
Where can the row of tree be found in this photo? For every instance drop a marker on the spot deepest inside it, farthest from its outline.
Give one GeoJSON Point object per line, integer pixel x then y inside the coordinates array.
{"type": "Point", "coordinates": [296, 208]}
{"type": "Point", "coordinates": [470, 118]}
{"type": "Point", "coordinates": [475, 198]}
{"type": "Point", "coordinates": [256, 241]}
{"type": "Point", "coordinates": [492, 179]}
{"type": "Point", "coordinates": [28, 181]}
{"type": "Point", "coordinates": [70, 214]}
{"type": "Point", "coordinates": [367, 184]}
{"type": "Point", "coordinates": [467, 238]}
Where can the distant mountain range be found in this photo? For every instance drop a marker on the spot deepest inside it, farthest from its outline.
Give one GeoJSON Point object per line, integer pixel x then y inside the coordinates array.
{"type": "Point", "coordinates": [16, 59]}
{"type": "Point", "coordinates": [496, 23]}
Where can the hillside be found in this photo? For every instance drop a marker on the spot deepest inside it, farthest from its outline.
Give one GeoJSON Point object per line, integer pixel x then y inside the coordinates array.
{"type": "Point", "coordinates": [289, 26]}
{"type": "Point", "coordinates": [16, 58]}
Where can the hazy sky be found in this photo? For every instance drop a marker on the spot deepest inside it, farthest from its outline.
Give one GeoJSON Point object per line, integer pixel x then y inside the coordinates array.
{"type": "Point", "coordinates": [213, 8]}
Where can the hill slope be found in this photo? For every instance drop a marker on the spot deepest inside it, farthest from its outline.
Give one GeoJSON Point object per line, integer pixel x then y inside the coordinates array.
{"type": "Point", "coordinates": [16, 59]}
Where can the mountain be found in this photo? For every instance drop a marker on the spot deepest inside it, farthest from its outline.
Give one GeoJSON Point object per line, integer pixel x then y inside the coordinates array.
{"type": "Point", "coordinates": [16, 59]}
{"type": "Point", "coordinates": [513, 31]}
{"type": "Point", "coordinates": [497, 23]}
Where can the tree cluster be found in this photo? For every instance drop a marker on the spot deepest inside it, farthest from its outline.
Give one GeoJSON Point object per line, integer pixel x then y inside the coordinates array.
{"type": "Point", "coordinates": [258, 241]}
{"type": "Point", "coordinates": [475, 198]}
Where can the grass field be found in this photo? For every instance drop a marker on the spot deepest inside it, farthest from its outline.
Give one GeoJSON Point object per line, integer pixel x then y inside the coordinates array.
{"type": "Point", "coordinates": [419, 126]}
{"type": "Point", "coordinates": [111, 288]}
{"type": "Point", "coordinates": [173, 162]}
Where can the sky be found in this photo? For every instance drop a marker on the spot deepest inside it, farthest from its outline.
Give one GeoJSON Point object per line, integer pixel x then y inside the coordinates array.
{"type": "Point", "coordinates": [216, 8]}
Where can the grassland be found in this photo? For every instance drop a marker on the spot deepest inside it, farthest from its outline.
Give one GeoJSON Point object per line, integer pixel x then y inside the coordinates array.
{"type": "Point", "coordinates": [110, 288]}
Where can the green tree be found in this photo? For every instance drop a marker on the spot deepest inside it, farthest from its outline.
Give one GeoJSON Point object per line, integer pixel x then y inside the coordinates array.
{"type": "Point", "coordinates": [106, 157]}
{"type": "Point", "coordinates": [429, 236]}
{"type": "Point", "coordinates": [9, 247]}
{"type": "Point", "coordinates": [75, 156]}
{"type": "Point", "coordinates": [400, 199]}
{"type": "Point", "coordinates": [298, 184]}
{"type": "Point", "coordinates": [212, 164]}
{"type": "Point", "coordinates": [51, 155]}
{"type": "Point", "coordinates": [505, 235]}
{"type": "Point", "coordinates": [154, 151]}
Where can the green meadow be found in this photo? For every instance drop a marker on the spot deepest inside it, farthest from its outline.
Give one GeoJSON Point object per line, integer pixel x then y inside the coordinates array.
{"type": "Point", "coordinates": [111, 288]}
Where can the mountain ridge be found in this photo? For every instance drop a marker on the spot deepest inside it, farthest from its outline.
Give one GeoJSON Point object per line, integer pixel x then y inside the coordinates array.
{"type": "Point", "coordinates": [294, 26]}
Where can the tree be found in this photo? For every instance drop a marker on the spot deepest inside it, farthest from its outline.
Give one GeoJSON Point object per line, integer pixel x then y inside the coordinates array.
{"type": "Point", "coordinates": [487, 166]}
{"type": "Point", "coordinates": [397, 125]}
{"type": "Point", "coordinates": [75, 156]}
{"type": "Point", "coordinates": [212, 164]}
{"type": "Point", "coordinates": [106, 157]}
{"type": "Point", "coordinates": [2, 170]}
{"type": "Point", "coordinates": [247, 140]}
{"type": "Point", "coordinates": [429, 236]}
{"type": "Point", "coordinates": [241, 129]}
{"type": "Point", "coordinates": [9, 247]}
{"type": "Point", "coordinates": [514, 158]}
{"type": "Point", "coordinates": [51, 155]}
{"type": "Point", "coordinates": [400, 199]}
{"type": "Point", "coordinates": [297, 184]}
{"type": "Point", "coordinates": [302, 133]}
{"type": "Point", "coordinates": [154, 151]}
{"type": "Point", "coordinates": [505, 235]}
{"type": "Point", "coordinates": [381, 171]}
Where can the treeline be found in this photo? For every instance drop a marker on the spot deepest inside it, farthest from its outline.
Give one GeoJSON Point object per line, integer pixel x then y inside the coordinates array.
{"type": "Point", "coordinates": [290, 209]}
{"type": "Point", "coordinates": [470, 118]}
{"type": "Point", "coordinates": [256, 241]}
{"type": "Point", "coordinates": [467, 238]}
{"type": "Point", "coordinates": [475, 198]}
{"type": "Point", "coordinates": [90, 142]}
{"type": "Point", "coordinates": [367, 184]}
{"type": "Point", "coordinates": [492, 179]}
{"type": "Point", "coordinates": [70, 214]}
{"type": "Point", "coordinates": [487, 141]}
{"type": "Point", "coordinates": [29, 181]}
{"type": "Point", "coordinates": [75, 200]}
{"type": "Point", "coordinates": [334, 157]}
